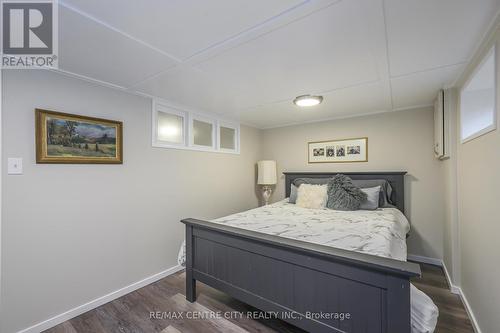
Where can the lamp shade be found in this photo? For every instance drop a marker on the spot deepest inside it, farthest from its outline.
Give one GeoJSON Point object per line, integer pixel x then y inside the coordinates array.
{"type": "Point", "coordinates": [266, 172]}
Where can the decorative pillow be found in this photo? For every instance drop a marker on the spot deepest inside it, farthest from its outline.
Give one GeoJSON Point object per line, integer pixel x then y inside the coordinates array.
{"type": "Point", "coordinates": [385, 189]}
{"type": "Point", "coordinates": [372, 197]}
{"type": "Point", "coordinates": [311, 196]}
{"type": "Point", "coordinates": [293, 194]}
{"type": "Point", "coordinates": [343, 194]}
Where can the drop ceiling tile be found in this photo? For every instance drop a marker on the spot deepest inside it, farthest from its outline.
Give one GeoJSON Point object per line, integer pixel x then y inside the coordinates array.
{"type": "Point", "coordinates": [183, 27]}
{"type": "Point", "coordinates": [424, 34]}
{"type": "Point", "coordinates": [90, 49]}
{"type": "Point", "coordinates": [347, 102]}
{"type": "Point", "coordinates": [190, 87]}
{"type": "Point", "coordinates": [422, 88]}
{"type": "Point", "coordinates": [326, 50]}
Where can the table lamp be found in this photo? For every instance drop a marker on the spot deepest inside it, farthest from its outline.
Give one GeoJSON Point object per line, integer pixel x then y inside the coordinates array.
{"type": "Point", "coordinates": [266, 178]}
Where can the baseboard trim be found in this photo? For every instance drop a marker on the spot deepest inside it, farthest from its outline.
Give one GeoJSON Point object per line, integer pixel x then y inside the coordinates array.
{"type": "Point", "coordinates": [453, 288]}
{"type": "Point", "coordinates": [56, 320]}
{"type": "Point", "coordinates": [436, 262]}
{"type": "Point", "coordinates": [425, 260]}
{"type": "Point", "coordinates": [468, 308]}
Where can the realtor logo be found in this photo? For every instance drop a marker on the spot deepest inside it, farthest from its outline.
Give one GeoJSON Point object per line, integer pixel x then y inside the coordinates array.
{"type": "Point", "coordinates": [29, 34]}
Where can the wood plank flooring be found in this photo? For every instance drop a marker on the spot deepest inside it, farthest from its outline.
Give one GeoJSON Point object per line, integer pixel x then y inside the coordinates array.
{"type": "Point", "coordinates": [452, 314]}
{"type": "Point", "coordinates": [132, 312]}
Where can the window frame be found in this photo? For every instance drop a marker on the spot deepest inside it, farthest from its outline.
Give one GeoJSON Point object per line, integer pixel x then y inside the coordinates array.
{"type": "Point", "coordinates": [205, 119]}
{"type": "Point", "coordinates": [491, 52]}
{"type": "Point", "coordinates": [172, 111]}
{"type": "Point", "coordinates": [159, 105]}
{"type": "Point", "coordinates": [236, 128]}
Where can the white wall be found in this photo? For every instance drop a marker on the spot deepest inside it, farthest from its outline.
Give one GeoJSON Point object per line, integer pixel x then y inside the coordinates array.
{"type": "Point", "coordinates": [72, 233]}
{"type": "Point", "coordinates": [396, 141]}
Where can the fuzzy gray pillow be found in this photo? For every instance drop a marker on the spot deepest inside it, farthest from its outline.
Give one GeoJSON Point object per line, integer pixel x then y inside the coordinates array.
{"type": "Point", "coordinates": [343, 194]}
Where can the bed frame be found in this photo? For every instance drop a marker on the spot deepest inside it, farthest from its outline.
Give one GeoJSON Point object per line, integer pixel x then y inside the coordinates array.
{"type": "Point", "coordinates": [308, 285]}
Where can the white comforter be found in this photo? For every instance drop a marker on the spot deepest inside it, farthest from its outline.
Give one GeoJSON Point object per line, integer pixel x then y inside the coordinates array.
{"type": "Point", "coordinates": [381, 232]}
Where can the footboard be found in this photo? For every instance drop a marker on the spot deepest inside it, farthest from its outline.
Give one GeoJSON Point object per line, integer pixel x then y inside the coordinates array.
{"type": "Point", "coordinates": [314, 287]}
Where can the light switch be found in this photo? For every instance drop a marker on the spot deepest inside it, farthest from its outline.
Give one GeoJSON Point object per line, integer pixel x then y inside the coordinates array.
{"type": "Point", "coordinates": [15, 166]}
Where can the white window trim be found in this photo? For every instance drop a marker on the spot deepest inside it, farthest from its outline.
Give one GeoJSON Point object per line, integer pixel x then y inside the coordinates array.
{"type": "Point", "coordinates": [159, 105]}
{"type": "Point", "coordinates": [493, 126]}
{"type": "Point", "coordinates": [482, 132]}
{"type": "Point", "coordinates": [192, 118]}
{"type": "Point", "coordinates": [236, 128]}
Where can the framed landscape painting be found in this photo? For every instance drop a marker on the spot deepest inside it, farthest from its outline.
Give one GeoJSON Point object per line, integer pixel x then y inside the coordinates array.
{"type": "Point", "coordinates": [69, 138]}
{"type": "Point", "coordinates": [338, 151]}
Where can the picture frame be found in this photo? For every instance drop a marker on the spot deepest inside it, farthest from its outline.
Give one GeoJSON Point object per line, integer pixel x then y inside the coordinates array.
{"type": "Point", "coordinates": [338, 151]}
{"type": "Point", "coordinates": [65, 138]}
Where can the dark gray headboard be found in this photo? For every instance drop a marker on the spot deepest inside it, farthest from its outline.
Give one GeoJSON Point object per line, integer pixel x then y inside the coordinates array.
{"type": "Point", "coordinates": [396, 179]}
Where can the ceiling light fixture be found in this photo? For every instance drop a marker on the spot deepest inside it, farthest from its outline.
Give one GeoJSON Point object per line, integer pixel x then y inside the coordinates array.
{"type": "Point", "coordinates": [307, 100]}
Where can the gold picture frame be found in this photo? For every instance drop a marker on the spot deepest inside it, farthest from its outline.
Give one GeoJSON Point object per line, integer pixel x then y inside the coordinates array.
{"type": "Point", "coordinates": [74, 139]}
{"type": "Point", "coordinates": [338, 151]}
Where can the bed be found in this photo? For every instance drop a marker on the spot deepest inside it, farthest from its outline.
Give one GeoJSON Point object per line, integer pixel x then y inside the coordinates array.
{"type": "Point", "coordinates": [312, 279]}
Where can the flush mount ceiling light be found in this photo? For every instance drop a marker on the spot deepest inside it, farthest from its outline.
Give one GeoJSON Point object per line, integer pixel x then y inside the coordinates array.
{"type": "Point", "coordinates": [307, 100]}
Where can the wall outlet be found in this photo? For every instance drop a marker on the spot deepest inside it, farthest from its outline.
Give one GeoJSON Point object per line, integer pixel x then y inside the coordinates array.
{"type": "Point", "coordinates": [15, 166]}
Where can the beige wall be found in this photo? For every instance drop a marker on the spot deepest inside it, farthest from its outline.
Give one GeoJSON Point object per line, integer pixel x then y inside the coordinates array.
{"type": "Point", "coordinates": [478, 165]}
{"type": "Point", "coordinates": [397, 141]}
{"type": "Point", "coordinates": [72, 233]}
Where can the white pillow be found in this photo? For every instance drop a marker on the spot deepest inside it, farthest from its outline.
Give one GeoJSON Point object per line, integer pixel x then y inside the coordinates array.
{"type": "Point", "coordinates": [312, 196]}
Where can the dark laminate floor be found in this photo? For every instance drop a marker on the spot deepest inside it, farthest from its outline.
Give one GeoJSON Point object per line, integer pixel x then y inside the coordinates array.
{"type": "Point", "coordinates": [452, 314]}
{"type": "Point", "coordinates": [131, 313]}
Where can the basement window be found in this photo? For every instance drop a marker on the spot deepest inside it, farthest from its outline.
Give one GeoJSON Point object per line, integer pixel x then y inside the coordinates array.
{"type": "Point", "coordinates": [169, 127]}
{"type": "Point", "coordinates": [180, 129]}
{"type": "Point", "coordinates": [202, 132]}
{"type": "Point", "coordinates": [478, 114]}
{"type": "Point", "coordinates": [227, 137]}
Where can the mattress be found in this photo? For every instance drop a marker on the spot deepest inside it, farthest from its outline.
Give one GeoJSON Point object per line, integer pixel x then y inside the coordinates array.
{"type": "Point", "coordinates": [380, 232]}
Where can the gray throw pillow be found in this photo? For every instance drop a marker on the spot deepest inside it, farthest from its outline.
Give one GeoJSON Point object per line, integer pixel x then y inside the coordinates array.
{"type": "Point", "coordinates": [293, 194]}
{"type": "Point", "coordinates": [343, 194]}
{"type": "Point", "coordinates": [385, 189]}
{"type": "Point", "coordinates": [371, 202]}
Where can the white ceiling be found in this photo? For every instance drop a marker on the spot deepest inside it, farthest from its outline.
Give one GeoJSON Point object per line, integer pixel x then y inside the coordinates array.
{"type": "Point", "coordinates": [247, 60]}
